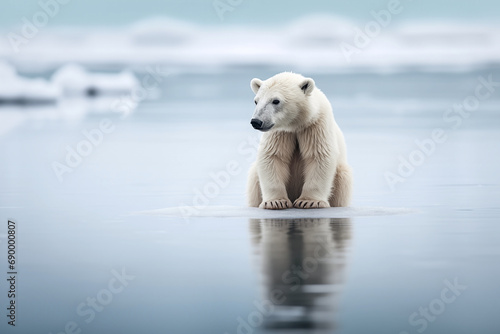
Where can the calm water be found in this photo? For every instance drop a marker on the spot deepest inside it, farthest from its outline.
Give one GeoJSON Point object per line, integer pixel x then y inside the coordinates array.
{"type": "Point", "coordinates": [91, 258]}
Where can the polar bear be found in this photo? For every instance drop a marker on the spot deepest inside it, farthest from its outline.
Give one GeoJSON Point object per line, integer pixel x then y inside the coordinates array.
{"type": "Point", "coordinates": [302, 159]}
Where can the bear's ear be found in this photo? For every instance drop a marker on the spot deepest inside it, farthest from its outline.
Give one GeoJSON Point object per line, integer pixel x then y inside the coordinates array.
{"type": "Point", "coordinates": [307, 86]}
{"type": "Point", "coordinates": [255, 85]}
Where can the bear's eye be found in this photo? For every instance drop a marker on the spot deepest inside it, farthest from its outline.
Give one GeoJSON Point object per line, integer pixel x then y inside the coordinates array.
{"type": "Point", "coordinates": [255, 102]}
{"type": "Point", "coordinates": [276, 102]}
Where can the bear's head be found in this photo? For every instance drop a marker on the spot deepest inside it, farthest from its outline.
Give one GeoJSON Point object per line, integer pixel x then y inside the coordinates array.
{"type": "Point", "coordinates": [282, 101]}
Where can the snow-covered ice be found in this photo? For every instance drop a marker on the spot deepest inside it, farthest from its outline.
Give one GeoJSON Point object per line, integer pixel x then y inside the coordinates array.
{"type": "Point", "coordinates": [234, 211]}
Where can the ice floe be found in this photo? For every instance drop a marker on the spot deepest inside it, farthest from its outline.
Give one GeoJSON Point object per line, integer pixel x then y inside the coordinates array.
{"type": "Point", "coordinates": [234, 211]}
{"type": "Point", "coordinates": [74, 80]}
{"type": "Point", "coordinates": [15, 89]}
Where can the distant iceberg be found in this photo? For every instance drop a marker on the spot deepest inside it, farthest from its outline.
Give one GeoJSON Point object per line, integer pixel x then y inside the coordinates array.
{"type": "Point", "coordinates": [74, 80]}
{"type": "Point", "coordinates": [15, 89]}
{"type": "Point", "coordinates": [69, 83]}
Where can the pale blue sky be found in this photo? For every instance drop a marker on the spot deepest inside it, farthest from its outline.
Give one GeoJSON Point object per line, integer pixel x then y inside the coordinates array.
{"type": "Point", "coordinates": [122, 12]}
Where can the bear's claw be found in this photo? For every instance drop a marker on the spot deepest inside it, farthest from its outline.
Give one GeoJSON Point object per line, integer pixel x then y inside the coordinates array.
{"type": "Point", "coordinates": [276, 204]}
{"type": "Point", "coordinates": [310, 204]}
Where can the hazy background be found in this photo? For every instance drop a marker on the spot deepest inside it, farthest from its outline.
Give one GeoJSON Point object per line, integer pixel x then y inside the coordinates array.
{"type": "Point", "coordinates": [302, 35]}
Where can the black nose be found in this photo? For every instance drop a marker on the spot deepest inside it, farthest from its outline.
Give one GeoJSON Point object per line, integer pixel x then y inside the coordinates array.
{"type": "Point", "coordinates": [256, 123]}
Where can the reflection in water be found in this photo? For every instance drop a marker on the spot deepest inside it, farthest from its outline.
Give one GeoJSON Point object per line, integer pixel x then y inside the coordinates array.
{"type": "Point", "coordinates": [302, 263]}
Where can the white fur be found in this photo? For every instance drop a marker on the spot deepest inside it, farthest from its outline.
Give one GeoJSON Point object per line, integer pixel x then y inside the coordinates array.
{"type": "Point", "coordinates": [301, 161]}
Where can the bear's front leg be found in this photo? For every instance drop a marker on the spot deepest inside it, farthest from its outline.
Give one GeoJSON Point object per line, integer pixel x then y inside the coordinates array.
{"type": "Point", "coordinates": [273, 168]}
{"type": "Point", "coordinates": [318, 180]}
{"type": "Point", "coordinates": [319, 168]}
{"type": "Point", "coordinates": [273, 176]}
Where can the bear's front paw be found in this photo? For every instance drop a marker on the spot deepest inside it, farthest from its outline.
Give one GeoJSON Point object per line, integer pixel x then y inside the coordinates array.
{"type": "Point", "coordinates": [276, 204]}
{"type": "Point", "coordinates": [302, 203]}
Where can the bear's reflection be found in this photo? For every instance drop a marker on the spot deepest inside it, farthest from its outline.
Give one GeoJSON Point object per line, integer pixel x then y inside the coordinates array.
{"type": "Point", "coordinates": [302, 262]}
